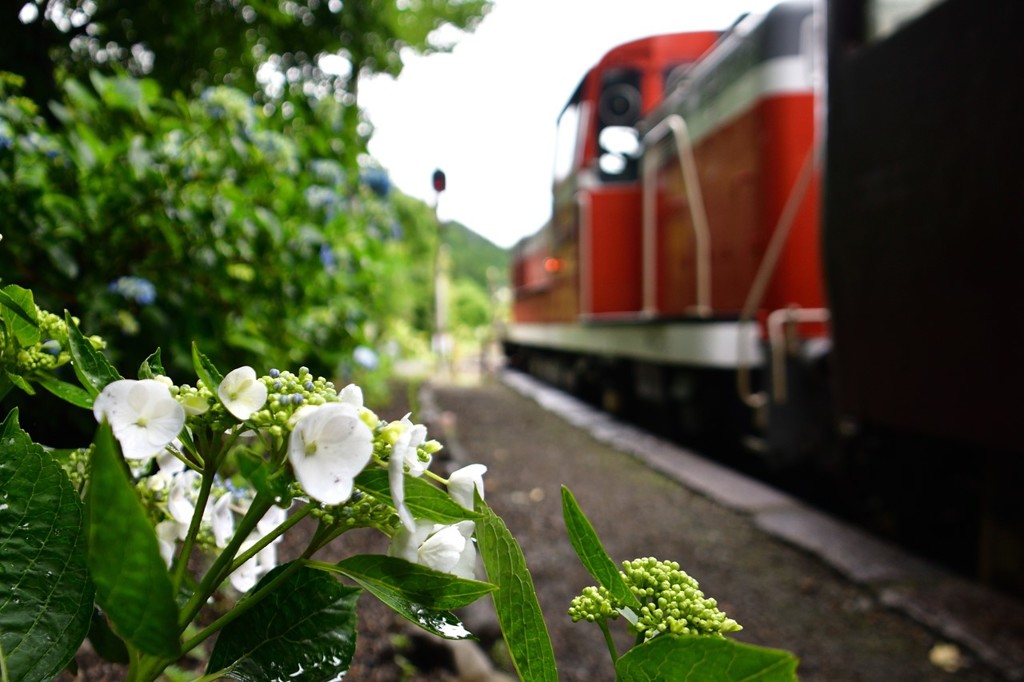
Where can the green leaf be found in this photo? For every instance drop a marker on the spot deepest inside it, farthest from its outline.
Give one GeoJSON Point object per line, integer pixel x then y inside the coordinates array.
{"type": "Point", "coordinates": [671, 657]}
{"type": "Point", "coordinates": [20, 382]}
{"type": "Point", "coordinates": [105, 641]}
{"type": "Point", "coordinates": [152, 366]}
{"type": "Point", "coordinates": [425, 501]}
{"type": "Point", "coordinates": [45, 592]}
{"type": "Point", "coordinates": [519, 613]}
{"type": "Point", "coordinates": [91, 367]}
{"type": "Point", "coordinates": [419, 594]}
{"type": "Point", "coordinates": [76, 395]}
{"type": "Point", "coordinates": [206, 370]}
{"type": "Point", "coordinates": [592, 554]}
{"type": "Point", "coordinates": [132, 584]}
{"type": "Point", "coordinates": [424, 586]}
{"type": "Point", "coordinates": [19, 314]}
{"type": "Point", "coordinates": [306, 626]}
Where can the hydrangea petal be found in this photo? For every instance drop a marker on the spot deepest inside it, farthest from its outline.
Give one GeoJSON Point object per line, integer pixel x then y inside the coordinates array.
{"type": "Point", "coordinates": [242, 393]}
{"type": "Point", "coordinates": [222, 520]}
{"type": "Point", "coordinates": [462, 482]}
{"type": "Point", "coordinates": [143, 415]}
{"type": "Point", "coordinates": [442, 550]}
{"type": "Point", "coordinates": [404, 454]}
{"type": "Point", "coordinates": [352, 394]}
{"type": "Point", "coordinates": [327, 449]}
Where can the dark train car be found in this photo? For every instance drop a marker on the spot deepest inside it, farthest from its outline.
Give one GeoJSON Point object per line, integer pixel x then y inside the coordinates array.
{"type": "Point", "coordinates": [923, 235]}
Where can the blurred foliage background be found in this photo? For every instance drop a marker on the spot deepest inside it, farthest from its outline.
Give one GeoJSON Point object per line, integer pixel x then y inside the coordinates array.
{"type": "Point", "coordinates": [197, 170]}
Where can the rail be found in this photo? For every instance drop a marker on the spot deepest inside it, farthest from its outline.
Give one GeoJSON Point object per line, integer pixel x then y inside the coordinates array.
{"type": "Point", "coordinates": [676, 125]}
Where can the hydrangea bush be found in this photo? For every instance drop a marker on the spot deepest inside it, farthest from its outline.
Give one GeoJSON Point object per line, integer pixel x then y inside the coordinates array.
{"type": "Point", "coordinates": [164, 530]}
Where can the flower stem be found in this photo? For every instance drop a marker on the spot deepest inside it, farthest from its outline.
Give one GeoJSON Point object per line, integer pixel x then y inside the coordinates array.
{"type": "Point", "coordinates": [270, 537]}
{"type": "Point", "coordinates": [221, 567]}
{"type": "Point", "coordinates": [609, 642]}
{"type": "Point", "coordinates": [246, 603]}
{"type": "Point", "coordinates": [181, 561]}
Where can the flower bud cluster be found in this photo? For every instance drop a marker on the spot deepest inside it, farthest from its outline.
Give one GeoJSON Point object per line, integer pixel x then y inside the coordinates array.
{"type": "Point", "coordinates": [593, 605]}
{"type": "Point", "coordinates": [362, 510]}
{"type": "Point", "coordinates": [50, 352]}
{"type": "Point", "coordinates": [195, 400]}
{"type": "Point", "coordinates": [76, 465]}
{"type": "Point", "coordinates": [287, 393]}
{"type": "Point", "coordinates": [386, 435]}
{"type": "Point", "coordinates": [672, 601]}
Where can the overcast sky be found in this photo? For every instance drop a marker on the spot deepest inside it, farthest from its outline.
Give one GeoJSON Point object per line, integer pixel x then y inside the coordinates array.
{"type": "Point", "coordinates": [486, 112]}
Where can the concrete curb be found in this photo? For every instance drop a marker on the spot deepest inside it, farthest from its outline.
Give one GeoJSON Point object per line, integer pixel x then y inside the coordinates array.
{"type": "Point", "coordinates": [988, 623]}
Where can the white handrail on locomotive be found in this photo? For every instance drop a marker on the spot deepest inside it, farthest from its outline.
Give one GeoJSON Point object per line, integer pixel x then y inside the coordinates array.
{"type": "Point", "coordinates": [763, 276]}
{"type": "Point", "coordinates": [676, 125]}
{"type": "Point", "coordinates": [781, 325]}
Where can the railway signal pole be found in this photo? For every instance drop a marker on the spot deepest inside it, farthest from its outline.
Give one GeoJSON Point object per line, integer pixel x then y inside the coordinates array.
{"type": "Point", "coordinates": [442, 340]}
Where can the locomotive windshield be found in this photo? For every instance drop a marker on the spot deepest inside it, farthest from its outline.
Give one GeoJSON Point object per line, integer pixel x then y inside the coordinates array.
{"type": "Point", "coordinates": [567, 137]}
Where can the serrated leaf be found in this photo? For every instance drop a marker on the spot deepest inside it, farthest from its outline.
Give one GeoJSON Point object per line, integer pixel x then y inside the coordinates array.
{"type": "Point", "coordinates": [408, 592]}
{"type": "Point", "coordinates": [206, 370]}
{"type": "Point", "coordinates": [305, 627]}
{"type": "Point", "coordinates": [424, 501]}
{"type": "Point", "coordinates": [93, 370]}
{"type": "Point", "coordinates": [414, 583]}
{"type": "Point", "coordinates": [76, 395]}
{"type": "Point", "coordinates": [519, 613]}
{"type": "Point", "coordinates": [590, 550]}
{"type": "Point", "coordinates": [132, 584]}
{"type": "Point", "coordinates": [152, 366]}
{"type": "Point", "coordinates": [671, 657]}
{"type": "Point", "coordinates": [18, 309]}
{"type": "Point", "coordinates": [45, 593]}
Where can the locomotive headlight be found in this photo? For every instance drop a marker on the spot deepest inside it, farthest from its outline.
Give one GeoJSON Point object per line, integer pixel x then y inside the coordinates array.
{"type": "Point", "coordinates": [619, 104]}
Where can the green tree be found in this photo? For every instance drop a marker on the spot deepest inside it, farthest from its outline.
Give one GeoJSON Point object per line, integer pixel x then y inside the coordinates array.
{"type": "Point", "coordinates": [187, 45]}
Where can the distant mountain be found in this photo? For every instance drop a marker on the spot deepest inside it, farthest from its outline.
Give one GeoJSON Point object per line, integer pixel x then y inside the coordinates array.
{"type": "Point", "coordinates": [472, 255]}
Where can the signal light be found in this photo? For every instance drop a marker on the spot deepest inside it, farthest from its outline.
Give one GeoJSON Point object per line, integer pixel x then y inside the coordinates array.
{"type": "Point", "coordinates": [439, 180]}
{"type": "Point", "coordinates": [552, 265]}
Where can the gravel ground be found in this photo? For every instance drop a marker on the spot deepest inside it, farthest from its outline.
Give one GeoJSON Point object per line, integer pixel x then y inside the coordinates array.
{"type": "Point", "coordinates": [783, 597]}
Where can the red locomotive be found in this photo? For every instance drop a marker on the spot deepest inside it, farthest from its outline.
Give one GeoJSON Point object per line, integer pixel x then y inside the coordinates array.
{"type": "Point", "coordinates": [725, 255]}
{"type": "Point", "coordinates": [659, 271]}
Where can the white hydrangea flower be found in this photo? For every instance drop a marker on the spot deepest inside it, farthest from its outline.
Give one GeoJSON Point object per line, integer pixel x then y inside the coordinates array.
{"type": "Point", "coordinates": [353, 395]}
{"type": "Point", "coordinates": [462, 482]}
{"type": "Point", "coordinates": [168, 533]}
{"type": "Point", "coordinates": [448, 549]}
{"type": "Point", "coordinates": [222, 520]}
{"type": "Point", "coordinates": [327, 449]}
{"type": "Point", "coordinates": [403, 454]}
{"type": "Point", "coordinates": [246, 576]}
{"type": "Point", "coordinates": [249, 573]}
{"type": "Point", "coordinates": [168, 462]}
{"type": "Point", "coordinates": [143, 415]}
{"type": "Point", "coordinates": [181, 497]}
{"type": "Point", "coordinates": [242, 393]}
